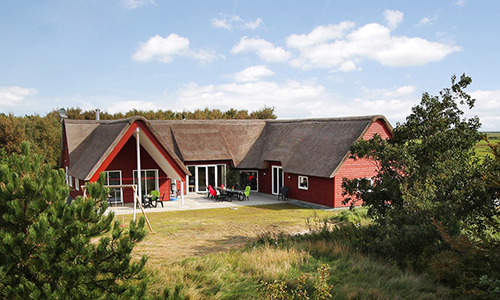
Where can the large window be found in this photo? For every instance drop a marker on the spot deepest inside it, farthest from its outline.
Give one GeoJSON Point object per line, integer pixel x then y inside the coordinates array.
{"type": "Point", "coordinates": [114, 178]}
{"type": "Point", "coordinates": [249, 178]}
{"type": "Point", "coordinates": [149, 181]}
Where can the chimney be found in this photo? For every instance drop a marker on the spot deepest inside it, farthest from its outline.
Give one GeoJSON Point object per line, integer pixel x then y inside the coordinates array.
{"type": "Point", "coordinates": [97, 112]}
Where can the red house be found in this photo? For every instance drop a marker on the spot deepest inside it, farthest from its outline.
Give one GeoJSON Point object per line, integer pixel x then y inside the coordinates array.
{"type": "Point", "coordinates": [310, 156]}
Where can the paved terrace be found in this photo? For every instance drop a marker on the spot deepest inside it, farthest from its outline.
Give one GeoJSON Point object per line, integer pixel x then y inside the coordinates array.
{"type": "Point", "coordinates": [200, 201]}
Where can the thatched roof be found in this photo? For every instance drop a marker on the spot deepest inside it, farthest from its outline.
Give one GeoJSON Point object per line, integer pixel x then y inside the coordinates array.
{"type": "Point", "coordinates": [314, 147]}
{"type": "Point", "coordinates": [90, 142]}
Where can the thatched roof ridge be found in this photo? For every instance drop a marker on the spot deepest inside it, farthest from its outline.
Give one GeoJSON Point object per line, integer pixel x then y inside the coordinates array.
{"type": "Point", "coordinates": [209, 140]}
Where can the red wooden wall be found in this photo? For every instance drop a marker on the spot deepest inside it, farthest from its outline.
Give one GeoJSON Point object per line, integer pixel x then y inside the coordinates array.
{"type": "Point", "coordinates": [361, 168]}
{"type": "Point", "coordinates": [126, 161]}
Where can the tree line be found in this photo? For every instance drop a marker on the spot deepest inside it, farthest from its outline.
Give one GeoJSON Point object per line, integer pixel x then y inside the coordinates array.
{"type": "Point", "coordinates": [43, 133]}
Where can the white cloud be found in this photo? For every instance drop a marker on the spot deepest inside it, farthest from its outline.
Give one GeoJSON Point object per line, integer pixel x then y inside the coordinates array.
{"type": "Point", "coordinates": [164, 49]}
{"type": "Point", "coordinates": [393, 18]}
{"type": "Point", "coordinates": [125, 106]}
{"type": "Point", "coordinates": [254, 73]}
{"type": "Point", "coordinates": [460, 3]}
{"type": "Point", "coordinates": [395, 103]}
{"type": "Point", "coordinates": [290, 98]}
{"type": "Point", "coordinates": [131, 4]}
{"type": "Point", "coordinates": [221, 23]}
{"type": "Point", "coordinates": [487, 106]}
{"type": "Point", "coordinates": [253, 24]}
{"type": "Point", "coordinates": [319, 35]}
{"type": "Point", "coordinates": [11, 96]}
{"type": "Point", "coordinates": [264, 49]}
{"type": "Point", "coordinates": [230, 21]}
{"type": "Point", "coordinates": [372, 41]}
{"type": "Point", "coordinates": [424, 21]}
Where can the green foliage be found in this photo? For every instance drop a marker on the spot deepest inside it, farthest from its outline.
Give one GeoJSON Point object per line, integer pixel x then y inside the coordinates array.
{"type": "Point", "coordinates": [199, 114]}
{"type": "Point", "coordinates": [43, 134]}
{"type": "Point", "coordinates": [355, 216]}
{"type": "Point", "coordinates": [55, 250]}
{"type": "Point", "coordinates": [232, 177]}
{"type": "Point", "coordinates": [427, 171]}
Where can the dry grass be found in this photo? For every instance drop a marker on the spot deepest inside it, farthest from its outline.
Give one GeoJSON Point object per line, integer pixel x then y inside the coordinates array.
{"type": "Point", "coordinates": [181, 234]}
{"type": "Point", "coordinates": [201, 252]}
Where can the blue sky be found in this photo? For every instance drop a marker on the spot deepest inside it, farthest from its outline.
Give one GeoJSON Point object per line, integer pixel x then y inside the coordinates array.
{"type": "Point", "coordinates": [307, 59]}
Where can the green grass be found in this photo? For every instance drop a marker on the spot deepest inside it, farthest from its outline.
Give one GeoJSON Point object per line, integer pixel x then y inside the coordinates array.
{"type": "Point", "coordinates": [217, 254]}
{"type": "Point", "coordinates": [482, 148]}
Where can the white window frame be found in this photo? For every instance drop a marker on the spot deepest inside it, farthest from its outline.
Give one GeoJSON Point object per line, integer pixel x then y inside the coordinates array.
{"type": "Point", "coordinates": [77, 184]}
{"type": "Point", "coordinates": [157, 179]}
{"type": "Point", "coordinates": [111, 186]}
{"type": "Point", "coordinates": [197, 187]}
{"type": "Point", "coordinates": [301, 179]}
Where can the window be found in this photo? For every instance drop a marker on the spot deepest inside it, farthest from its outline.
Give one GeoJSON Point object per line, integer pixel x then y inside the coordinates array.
{"type": "Point", "coordinates": [114, 178]}
{"type": "Point", "coordinates": [303, 183]}
{"type": "Point", "coordinates": [70, 179]}
{"type": "Point", "coordinates": [249, 178]}
{"type": "Point", "coordinates": [149, 181]}
{"type": "Point", "coordinates": [204, 175]}
{"type": "Point", "coordinates": [364, 185]}
{"type": "Point", "coordinates": [77, 184]}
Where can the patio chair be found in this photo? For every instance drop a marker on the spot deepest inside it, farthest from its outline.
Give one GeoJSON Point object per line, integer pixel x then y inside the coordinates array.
{"type": "Point", "coordinates": [246, 193]}
{"type": "Point", "coordinates": [283, 193]}
{"type": "Point", "coordinates": [155, 195]}
{"type": "Point", "coordinates": [160, 200]}
{"type": "Point", "coordinates": [212, 192]}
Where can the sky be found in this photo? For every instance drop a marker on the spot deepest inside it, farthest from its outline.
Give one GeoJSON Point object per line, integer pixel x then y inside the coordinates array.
{"type": "Point", "coordinates": [307, 59]}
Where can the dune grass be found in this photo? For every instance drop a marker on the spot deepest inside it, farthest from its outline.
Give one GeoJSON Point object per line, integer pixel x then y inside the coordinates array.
{"type": "Point", "coordinates": [214, 254]}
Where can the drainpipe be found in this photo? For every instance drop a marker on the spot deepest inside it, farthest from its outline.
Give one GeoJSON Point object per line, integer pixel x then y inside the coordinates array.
{"type": "Point", "coordinates": [182, 192]}
{"type": "Point", "coordinates": [139, 179]}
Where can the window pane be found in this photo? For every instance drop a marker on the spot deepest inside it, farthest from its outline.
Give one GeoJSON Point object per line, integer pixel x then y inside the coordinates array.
{"type": "Point", "coordinates": [221, 171]}
{"type": "Point", "coordinates": [249, 178]}
{"type": "Point", "coordinates": [202, 177]}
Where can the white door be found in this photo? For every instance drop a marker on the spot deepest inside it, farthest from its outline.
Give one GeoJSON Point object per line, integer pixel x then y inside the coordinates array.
{"type": "Point", "coordinates": [278, 179]}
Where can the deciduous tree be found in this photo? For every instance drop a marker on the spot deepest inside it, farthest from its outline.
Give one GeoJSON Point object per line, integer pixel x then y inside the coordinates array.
{"type": "Point", "coordinates": [426, 172]}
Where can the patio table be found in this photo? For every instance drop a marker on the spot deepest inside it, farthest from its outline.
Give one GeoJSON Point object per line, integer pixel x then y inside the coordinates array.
{"type": "Point", "coordinates": [234, 194]}
{"type": "Point", "coordinates": [148, 201]}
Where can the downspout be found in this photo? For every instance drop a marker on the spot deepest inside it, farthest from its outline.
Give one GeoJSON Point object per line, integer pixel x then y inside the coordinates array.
{"type": "Point", "coordinates": [139, 175]}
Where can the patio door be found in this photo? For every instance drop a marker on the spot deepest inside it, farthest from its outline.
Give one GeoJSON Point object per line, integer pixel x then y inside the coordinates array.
{"type": "Point", "coordinates": [149, 181]}
{"type": "Point", "coordinates": [278, 179]}
{"type": "Point", "coordinates": [204, 175]}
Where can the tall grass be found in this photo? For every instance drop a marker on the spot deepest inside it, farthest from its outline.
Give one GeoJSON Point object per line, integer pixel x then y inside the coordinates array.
{"type": "Point", "coordinates": [240, 273]}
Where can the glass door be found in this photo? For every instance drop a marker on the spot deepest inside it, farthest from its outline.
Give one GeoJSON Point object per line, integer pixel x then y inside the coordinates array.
{"type": "Point", "coordinates": [149, 181]}
{"type": "Point", "coordinates": [277, 179]}
{"type": "Point", "coordinates": [203, 175]}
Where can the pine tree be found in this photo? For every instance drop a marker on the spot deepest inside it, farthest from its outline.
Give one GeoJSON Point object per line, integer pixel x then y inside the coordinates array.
{"type": "Point", "coordinates": [52, 249]}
